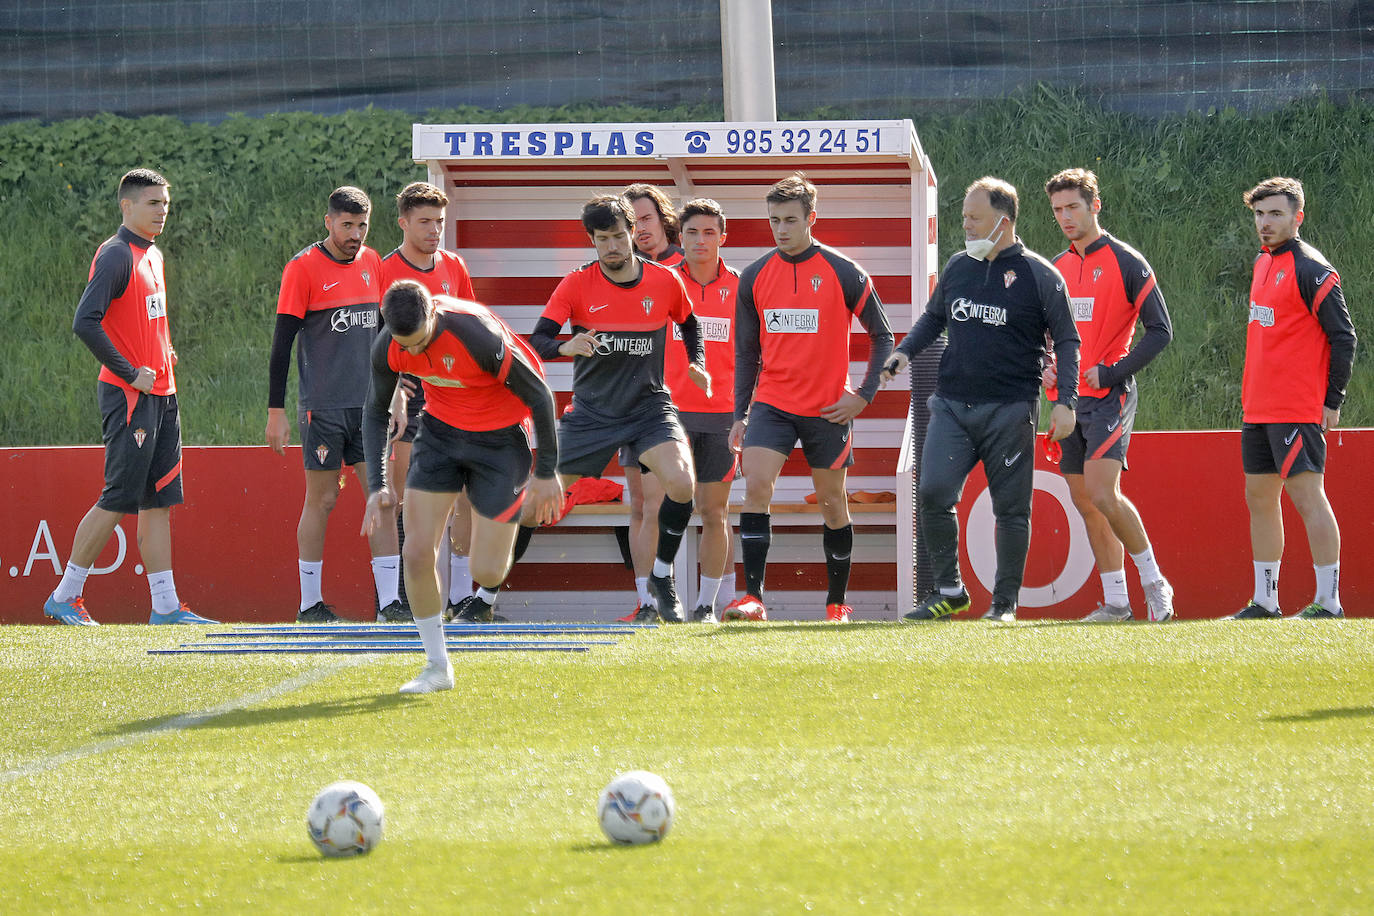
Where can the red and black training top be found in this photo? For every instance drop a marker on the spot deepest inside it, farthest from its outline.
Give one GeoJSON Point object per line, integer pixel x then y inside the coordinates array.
{"type": "Point", "coordinates": [1300, 342]}
{"type": "Point", "coordinates": [478, 375]}
{"type": "Point", "coordinates": [1111, 286]}
{"type": "Point", "coordinates": [122, 315]}
{"type": "Point", "coordinates": [625, 374]}
{"type": "Point", "coordinates": [792, 319]}
{"type": "Point", "coordinates": [713, 304]}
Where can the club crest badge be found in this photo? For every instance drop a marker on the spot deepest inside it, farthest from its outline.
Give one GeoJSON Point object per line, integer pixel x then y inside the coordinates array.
{"type": "Point", "coordinates": [648, 303]}
{"type": "Point", "coordinates": [448, 362]}
{"type": "Point", "coordinates": [321, 453]}
{"type": "Point", "coordinates": [815, 283]}
{"type": "Point", "coordinates": [724, 294]}
{"type": "Point", "coordinates": [140, 435]}
{"type": "Point", "coordinates": [1009, 278]}
{"type": "Point", "coordinates": [1279, 278]}
{"type": "Point", "coordinates": [446, 290]}
{"type": "Point", "coordinates": [367, 278]}
{"type": "Point", "coordinates": [1097, 274]}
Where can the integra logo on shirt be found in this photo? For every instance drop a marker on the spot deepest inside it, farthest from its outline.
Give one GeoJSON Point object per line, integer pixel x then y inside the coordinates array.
{"type": "Point", "coordinates": [1263, 314]}
{"type": "Point", "coordinates": [964, 310]}
{"type": "Point", "coordinates": [346, 319]}
{"type": "Point", "coordinates": [792, 321]}
{"type": "Point", "coordinates": [1082, 307]}
{"type": "Point", "coordinates": [633, 346]}
{"type": "Point", "coordinates": [717, 329]}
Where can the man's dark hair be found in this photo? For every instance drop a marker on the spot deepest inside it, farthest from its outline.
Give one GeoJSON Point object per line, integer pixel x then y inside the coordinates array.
{"type": "Point", "coordinates": [1288, 187]}
{"type": "Point", "coordinates": [1001, 194]}
{"type": "Point", "coordinates": [604, 211]}
{"type": "Point", "coordinates": [419, 194]}
{"type": "Point", "coordinates": [794, 187]}
{"type": "Point", "coordinates": [702, 206]}
{"type": "Point", "coordinates": [405, 307]}
{"type": "Point", "coordinates": [666, 215]}
{"type": "Point", "coordinates": [1080, 180]}
{"type": "Point", "coordinates": [349, 199]}
{"type": "Point", "coordinates": [135, 180]}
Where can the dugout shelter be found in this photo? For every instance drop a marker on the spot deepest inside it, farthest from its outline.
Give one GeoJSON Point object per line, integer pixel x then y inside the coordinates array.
{"type": "Point", "coordinates": [516, 193]}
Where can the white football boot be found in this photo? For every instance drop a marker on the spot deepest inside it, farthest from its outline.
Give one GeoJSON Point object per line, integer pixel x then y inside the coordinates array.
{"type": "Point", "coordinates": [431, 680]}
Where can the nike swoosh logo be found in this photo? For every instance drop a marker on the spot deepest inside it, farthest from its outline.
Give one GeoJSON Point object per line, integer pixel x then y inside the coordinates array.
{"type": "Point", "coordinates": [597, 308]}
{"type": "Point", "coordinates": [1012, 460]}
{"type": "Point", "coordinates": [1112, 425]}
{"type": "Point", "coordinates": [329, 286]}
{"type": "Point", "coordinates": [1322, 278]}
{"type": "Point", "coordinates": [501, 352]}
{"type": "Point", "coordinates": [1288, 440]}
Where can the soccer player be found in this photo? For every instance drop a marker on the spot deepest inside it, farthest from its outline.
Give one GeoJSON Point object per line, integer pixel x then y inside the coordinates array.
{"type": "Point", "coordinates": [483, 384]}
{"type": "Point", "coordinates": [421, 213]}
{"type": "Point", "coordinates": [619, 306]}
{"type": "Point", "coordinates": [996, 299]}
{"type": "Point", "coordinates": [657, 237]}
{"type": "Point", "coordinates": [329, 295]}
{"type": "Point", "coordinates": [122, 318]}
{"type": "Point", "coordinates": [1111, 287]}
{"type": "Point", "coordinates": [712, 288]}
{"type": "Point", "coordinates": [1299, 350]}
{"type": "Point", "coordinates": [792, 320]}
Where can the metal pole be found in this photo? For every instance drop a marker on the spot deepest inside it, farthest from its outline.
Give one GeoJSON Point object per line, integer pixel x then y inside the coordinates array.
{"type": "Point", "coordinates": [746, 39]}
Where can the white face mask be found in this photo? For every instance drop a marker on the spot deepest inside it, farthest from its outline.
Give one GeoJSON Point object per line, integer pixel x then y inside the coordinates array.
{"type": "Point", "coordinates": [979, 249]}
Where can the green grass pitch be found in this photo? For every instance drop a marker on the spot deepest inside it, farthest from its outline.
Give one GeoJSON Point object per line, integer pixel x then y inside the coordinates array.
{"type": "Point", "coordinates": [1217, 767]}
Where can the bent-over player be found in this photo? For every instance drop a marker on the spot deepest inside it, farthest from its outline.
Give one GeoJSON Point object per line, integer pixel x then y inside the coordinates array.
{"type": "Point", "coordinates": [482, 384]}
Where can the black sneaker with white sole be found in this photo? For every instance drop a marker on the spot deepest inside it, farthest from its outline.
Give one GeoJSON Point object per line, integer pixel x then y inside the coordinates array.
{"type": "Point", "coordinates": [1253, 611]}
{"type": "Point", "coordinates": [319, 612]}
{"type": "Point", "coordinates": [473, 609]}
{"type": "Point", "coordinates": [1001, 610]}
{"type": "Point", "coordinates": [705, 614]}
{"type": "Point", "coordinates": [665, 596]}
{"type": "Point", "coordinates": [395, 612]}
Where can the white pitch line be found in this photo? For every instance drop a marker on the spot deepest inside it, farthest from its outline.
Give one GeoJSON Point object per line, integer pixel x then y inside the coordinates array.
{"type": "Point", "coordinates": [189, 720]}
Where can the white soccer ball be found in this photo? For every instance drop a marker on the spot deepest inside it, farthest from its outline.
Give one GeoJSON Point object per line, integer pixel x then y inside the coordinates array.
{"type": "Point", "coordinates": [636, 808]}
{"type": "Point", "coordinates": [345, 819]}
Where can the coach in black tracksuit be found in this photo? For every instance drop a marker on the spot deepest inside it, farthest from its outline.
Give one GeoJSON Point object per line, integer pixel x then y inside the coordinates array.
{"type": "Point", "coordinates": [999, 302]}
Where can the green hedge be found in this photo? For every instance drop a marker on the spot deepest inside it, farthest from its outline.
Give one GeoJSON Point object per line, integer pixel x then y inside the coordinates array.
{"type": "Point", "coordinates": [249, 192]}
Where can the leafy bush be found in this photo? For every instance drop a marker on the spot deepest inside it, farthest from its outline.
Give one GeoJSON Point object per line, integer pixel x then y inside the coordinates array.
{"type": "Point", "coordinates": [250, 192]}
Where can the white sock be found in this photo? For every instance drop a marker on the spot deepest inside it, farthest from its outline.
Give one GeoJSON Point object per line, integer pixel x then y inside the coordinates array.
{"type": "Point", "coordinates": [1147, 567]}
{"type": "Point", "coordinates": [734, 585]}
{"type": "Point", "coordinates": [950, 592]}
{"type": "Point", "coordinates": [1114, 588]}
{"type": "Point", "coordinates": [1267, 585]}
{"type": "Point", "coordinates": [662, 569]}
{"type": "Point", "coordinates": [1328, 586]}
{"type": "Point", "coordinates": [487, 594]}
{"type": "Point", "coordinates": [642, 589]}
{"type": "Point", "coordinates": [164, 592]}
{"type": "Point", "coordinates": [432, 638]}
{"type": "Point", "coordinates": [459, 578]}
{"type": "Point", "coordinates": [706, 595]}
{"type": "Point", "coordinates": [73, 581]}
{"type": "Point", "coordinates": [310, 582]}
{"type": "Point", "coordinates": [386, 573]}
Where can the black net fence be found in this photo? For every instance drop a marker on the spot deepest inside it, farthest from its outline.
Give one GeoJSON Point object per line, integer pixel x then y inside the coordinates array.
{"type": "Point", "coordinates": [204, 60]}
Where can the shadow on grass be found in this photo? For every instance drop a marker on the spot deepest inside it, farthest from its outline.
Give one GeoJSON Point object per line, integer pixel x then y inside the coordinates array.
{"type": "Point", "coordinates": [244, 718]}
{"type": "Point", "coordinates": [608, 846]}
{"type": "Point", "coordinates": [820, 626]}
{"type": "Point", "coordinates": [1321, 715]}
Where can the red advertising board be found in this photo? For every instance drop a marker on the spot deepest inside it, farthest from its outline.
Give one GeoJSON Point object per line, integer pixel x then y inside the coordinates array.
{"type": "Point", "coordinates": [234, 541]}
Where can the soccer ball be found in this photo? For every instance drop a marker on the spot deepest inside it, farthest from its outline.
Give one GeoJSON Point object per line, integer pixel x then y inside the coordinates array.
{"type": "Point", "coordinates": [345, 819]}
{"type": "Point", "coordinates": [636, 808]}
